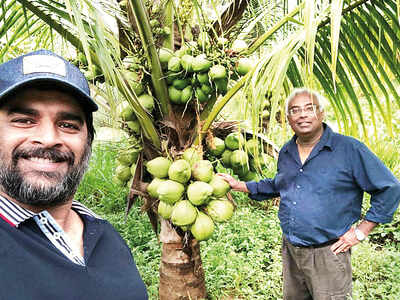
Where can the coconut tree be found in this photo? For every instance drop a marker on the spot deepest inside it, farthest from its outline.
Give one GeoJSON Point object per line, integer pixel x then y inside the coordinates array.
{"type": "Point", "coordinates": [346, 48]}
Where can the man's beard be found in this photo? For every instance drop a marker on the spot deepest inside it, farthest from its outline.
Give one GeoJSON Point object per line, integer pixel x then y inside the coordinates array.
{"type": "Point", "coordinates": [15, 185]}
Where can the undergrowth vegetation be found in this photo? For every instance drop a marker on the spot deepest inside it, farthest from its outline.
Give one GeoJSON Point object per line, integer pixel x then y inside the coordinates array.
{"type": "Point", "coordinates": [242, 259]}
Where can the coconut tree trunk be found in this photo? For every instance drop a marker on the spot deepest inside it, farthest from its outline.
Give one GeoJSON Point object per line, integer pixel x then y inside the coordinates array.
{"type": "Point", "coordinates": [181, 270]}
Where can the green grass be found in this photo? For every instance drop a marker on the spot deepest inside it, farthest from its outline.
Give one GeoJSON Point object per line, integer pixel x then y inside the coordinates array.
{"type": "Point", "coordinates": [242, 259]}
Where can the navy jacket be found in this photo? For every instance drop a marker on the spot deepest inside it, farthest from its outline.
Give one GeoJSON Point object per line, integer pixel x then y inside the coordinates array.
{"type": "Point", "coordinates": [322, 198]}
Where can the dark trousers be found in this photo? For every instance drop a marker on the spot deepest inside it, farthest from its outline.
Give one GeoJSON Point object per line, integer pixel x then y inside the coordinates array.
{"type": "Point", "coordinates": [315, 273]}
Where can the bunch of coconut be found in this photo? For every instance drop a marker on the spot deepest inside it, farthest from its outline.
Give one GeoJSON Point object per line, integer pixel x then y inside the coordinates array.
{"type": "Point", "coordinates": [134, 78]}
{"type": "Point", "coordinates": [244, 157]}
{"type": "Point", "coordinates": [192, 74]}
{"type": "Point", "coordinates": [126, 165]}
{"type": "Point", "coordinates": [191, 195]}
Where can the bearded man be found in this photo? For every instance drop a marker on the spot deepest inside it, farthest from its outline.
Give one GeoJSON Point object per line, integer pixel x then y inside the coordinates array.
{"type": "Point", "coordinates": [52, 246]}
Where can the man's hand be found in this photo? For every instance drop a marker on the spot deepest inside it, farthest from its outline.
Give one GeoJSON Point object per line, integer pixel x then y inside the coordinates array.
{"type": "Point", "coordinates": [345, 242]}
{"type": "Point", "coordinates": [349, 239]}
{"type": "Point", "coordinates": [235, 185]}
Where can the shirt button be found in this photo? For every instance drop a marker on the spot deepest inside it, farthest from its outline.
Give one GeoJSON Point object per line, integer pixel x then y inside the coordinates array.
{"type": "Point", "coordinates": [301, 170]}
{"type": "Point", "coordinates": [292, 219]}
{"type": "Point", "coordinates": [294, 202]}
{"type": "Point", "coordinates": [297, 186]}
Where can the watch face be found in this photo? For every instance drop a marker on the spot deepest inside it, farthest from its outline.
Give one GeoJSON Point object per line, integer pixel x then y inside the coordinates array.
{"type": "Point", "coordinates": [359, 235]}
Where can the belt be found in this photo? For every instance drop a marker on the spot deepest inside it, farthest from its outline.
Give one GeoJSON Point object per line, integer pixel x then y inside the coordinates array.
{"type": "Point", "coordinates": [328, 243]}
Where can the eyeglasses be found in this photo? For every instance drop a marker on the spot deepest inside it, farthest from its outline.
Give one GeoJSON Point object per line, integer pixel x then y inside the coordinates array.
{"type": "Point", "coordinates": [308, 110]}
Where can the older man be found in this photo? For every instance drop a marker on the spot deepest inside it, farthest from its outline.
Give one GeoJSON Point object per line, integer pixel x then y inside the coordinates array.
{"type": "Point", "coordinates": [53, 247]}
{"type": "Point", "coordinates": [321, 179]}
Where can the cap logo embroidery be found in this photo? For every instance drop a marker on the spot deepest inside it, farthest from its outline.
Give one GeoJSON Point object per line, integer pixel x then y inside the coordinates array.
{"type": "Point", "coordinates": [43, 64]}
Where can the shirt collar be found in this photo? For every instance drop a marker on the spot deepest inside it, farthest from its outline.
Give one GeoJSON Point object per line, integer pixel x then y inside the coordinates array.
{"type": "Point", "coordinates": [325, 141]}
{"type": "Point", "coordinates": [14, 214]}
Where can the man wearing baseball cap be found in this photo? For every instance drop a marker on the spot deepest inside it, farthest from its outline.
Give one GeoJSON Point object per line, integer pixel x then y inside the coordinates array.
{"type": "Point", "coordinates": [53, 247]}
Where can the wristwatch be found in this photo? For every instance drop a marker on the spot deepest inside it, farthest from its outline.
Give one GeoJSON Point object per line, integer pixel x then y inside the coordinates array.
{"type": "Point", "coordinates": [359, 234]}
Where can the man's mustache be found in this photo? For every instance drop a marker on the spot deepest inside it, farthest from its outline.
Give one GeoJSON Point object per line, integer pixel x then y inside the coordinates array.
{"type": "Point", "coordinates": [45, 153]}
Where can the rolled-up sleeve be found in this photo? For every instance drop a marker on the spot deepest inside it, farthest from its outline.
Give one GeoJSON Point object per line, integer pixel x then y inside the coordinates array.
{"type": "Point", "coordinates": [376, 179]}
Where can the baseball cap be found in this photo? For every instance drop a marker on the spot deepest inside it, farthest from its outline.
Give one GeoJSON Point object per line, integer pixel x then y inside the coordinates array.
{"type": "Point", "coordinates": [44, 66]}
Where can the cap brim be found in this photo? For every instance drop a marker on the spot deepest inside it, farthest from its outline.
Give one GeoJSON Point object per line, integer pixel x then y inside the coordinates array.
{"type": "Point", "coordinates": [87, 102]}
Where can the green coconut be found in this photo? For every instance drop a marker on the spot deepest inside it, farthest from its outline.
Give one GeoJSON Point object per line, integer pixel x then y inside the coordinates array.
{"type": "Point", "coordinates": [260, 161]}
{"type": "Point", "coordinates": [180, 83]}
{"type": "Point", "coordinates": [171, 76]}
{"type": "Point", "coordinates": [220, 210]}
{"type": "Point", "coordinates": [165, 209]}
{"type": "Point", "coordinates": [206, 89]}
{"type": "Point", "coordinates": [198, 192]}
{"type": "Point", "coordinates": [127, 158]}
{"type": "Point", "coordinates": [174, 64]}
{"type": "Point", "coordinates": [153, 186]}
{"type": "Point", "coordinates": [128, 114]}
{"type": "Point", "coordinates": [217, 72]}
{"type": "Point", "coordinates": [241, 171]}
{"type": "Point", "coordinates": [239, 158]}
{"type": "Point", "coordinates": [203, 78]}
{"type": "Point", "coordinates": [244, 65]}
{"type": "Point", "coordinates": [201, 64]}
{"type": "Point", "coordinates": [216, 146]}
{"type": "Point", "coordinates": [179, 171]}
{"type": "Point", "coordinates": [147, 101]}
{"type": "Point", "coordinates": [182, 51]}
{"type": "Point", "coordinates": [234, 140]}
{"type": "Point", "coordinates": [123, 173]}
{"type": "Point", "coordinates": [164, 55]}
{"type": "Point", "coordinates": [174, 94]}
{"type": "Point", "coordinates": [183, 213]}
{"type": "Point", "coordinates": [186, 95]}
{"type": "Point", "coordinates": [130, 62]}
{"type": "Point", "coordinates": [126, 111]}
{"type": "Point", "coordinates": [203, 228]}
{"type": "Point", "coordinates": [202, 170]}
{"type": "Point", "coordinates": [117, 181]}
{"type": "Point", "coordinates": [134, 81]}
{"type": "Point", "coordinates": [158, 167]}
{"type": "Point", "coordinates": [249, 176]}
{"type": "Point", "coordinates": [200, 95]}
{"type": "Point", "coordinates": [129, 183]}
{"type": "Point", "coordinates": [170, 191]}
{"type": "Point", "coordinates": [220, 186]}
{"type": "Point", "coordinates": [221, 85]}
{"type": "Point", "coordinates": [191, 155]}
{"type": "Point", "coordinates": [186, 62]}
{"type": "Point", "coordinates": [252, 146]}
{"type": "Point", "coordinates": [134, 126]}
{"type": "Point", "coordinates": [226, 158]}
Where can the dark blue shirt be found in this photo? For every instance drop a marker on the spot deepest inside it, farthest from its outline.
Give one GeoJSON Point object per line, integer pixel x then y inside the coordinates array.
{"type": "Point", "coordinates": [33, 268]}
{"type": "Point", "coordinates": [322, 198]}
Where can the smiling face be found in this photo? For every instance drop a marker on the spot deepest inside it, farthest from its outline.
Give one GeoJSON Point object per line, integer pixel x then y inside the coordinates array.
{"type": "Point", "coordinates": [306, 122]}
{"type": "Point", "coordinates": [45, 148]}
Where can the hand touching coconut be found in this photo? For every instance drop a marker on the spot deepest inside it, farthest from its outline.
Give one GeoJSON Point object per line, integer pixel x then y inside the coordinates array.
{"type": "Point", "coordinates": [235, 184]}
